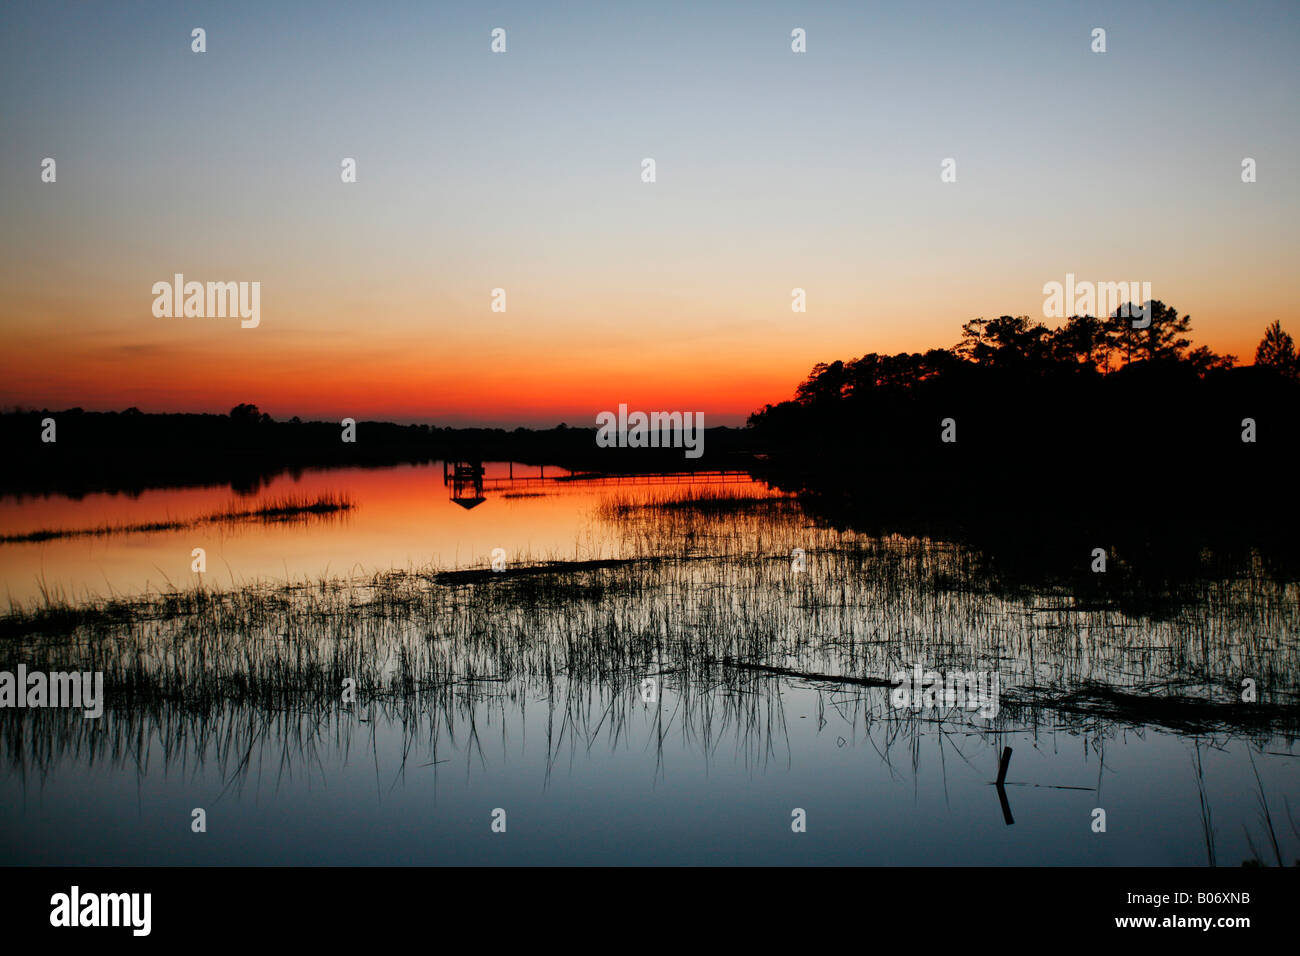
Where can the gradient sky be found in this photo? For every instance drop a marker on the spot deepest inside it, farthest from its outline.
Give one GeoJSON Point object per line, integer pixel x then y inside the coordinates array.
{"type": "Point", "coordinates": [522, 171]}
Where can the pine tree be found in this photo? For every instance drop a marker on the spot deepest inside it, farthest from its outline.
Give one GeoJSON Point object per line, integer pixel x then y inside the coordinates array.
{"type": "Point", "coordinates": [1277, 350]}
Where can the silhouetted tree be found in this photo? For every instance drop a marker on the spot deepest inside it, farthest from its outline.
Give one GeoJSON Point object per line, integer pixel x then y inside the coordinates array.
{"type": "Point", "coordinates": [246, 414]}
{"type": "Point", "coordinates": [1277, 350]}
{"type": "Point", "coordinates": [824, 383]}
{"type": "Point", "coordinates": [1165, 339]}
{"type": "Point", "coordinates": [1005, 342]}
{"type": "Point", "coordinates": [1205, 360]}
{"type": "Point", "coordinates": [1082, 341]}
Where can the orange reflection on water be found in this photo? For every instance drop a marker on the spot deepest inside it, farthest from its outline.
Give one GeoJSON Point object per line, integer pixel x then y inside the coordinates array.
{"type": "Point", "coordinates": [404, 517]}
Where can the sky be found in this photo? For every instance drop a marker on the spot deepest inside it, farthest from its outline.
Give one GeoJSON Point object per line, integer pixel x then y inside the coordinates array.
{"type": "Point", "coordinates": [522, 171]}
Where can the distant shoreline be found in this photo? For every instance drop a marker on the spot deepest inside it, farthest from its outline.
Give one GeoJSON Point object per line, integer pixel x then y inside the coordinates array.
{"type": "Point", "coordinates": [133, 451]}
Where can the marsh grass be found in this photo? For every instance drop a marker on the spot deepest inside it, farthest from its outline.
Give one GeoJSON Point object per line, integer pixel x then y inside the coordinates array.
{"type": "Point", "coordinates": [704, 501]}
{"type": "Point", "coordinates": [287, 508]}
{"type": "Point", "coordinates": [709, 606]}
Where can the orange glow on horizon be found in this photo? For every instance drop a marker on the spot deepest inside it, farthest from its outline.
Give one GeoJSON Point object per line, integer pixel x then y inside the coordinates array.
{"type": "Point", "coordinates": [503, 390]}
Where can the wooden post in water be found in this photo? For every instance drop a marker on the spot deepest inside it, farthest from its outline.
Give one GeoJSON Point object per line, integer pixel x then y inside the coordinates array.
{"type": "Point", "coordinates": [1003, 764]}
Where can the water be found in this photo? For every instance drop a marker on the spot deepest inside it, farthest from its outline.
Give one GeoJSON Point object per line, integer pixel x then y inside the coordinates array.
{"type": "Point", "coordinates": [621, 804]}
{"type": "Point", "coordinates": [525, 693]}
{"type": "Point", "coordinates": [404, 517]}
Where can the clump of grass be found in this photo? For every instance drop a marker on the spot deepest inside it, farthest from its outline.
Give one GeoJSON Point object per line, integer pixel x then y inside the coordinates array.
{"type": "Point", "coordinates": [290, 506]}
{"type": "Point", "coordinates": [703, 501]}
{"type": "Point", "coordinates": [282, 509]}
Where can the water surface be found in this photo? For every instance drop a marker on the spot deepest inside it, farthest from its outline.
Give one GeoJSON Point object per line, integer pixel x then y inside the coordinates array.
{"type": "Point", "coordinates": [526, 692]}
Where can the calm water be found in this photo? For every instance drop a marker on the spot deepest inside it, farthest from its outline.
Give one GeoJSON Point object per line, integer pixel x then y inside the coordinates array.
{"type": "Point", "coordinates": [531, 700]}
{"type": "Point", "coordinates": [404, 517]}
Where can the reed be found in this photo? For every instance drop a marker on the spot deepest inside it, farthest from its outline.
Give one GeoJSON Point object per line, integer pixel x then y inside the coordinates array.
{"type": "Point", "coordinates": [285, 508]}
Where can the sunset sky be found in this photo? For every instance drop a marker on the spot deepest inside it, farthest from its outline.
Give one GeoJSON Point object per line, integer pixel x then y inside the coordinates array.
{"type": "Point", "coordinates": [522, 171]}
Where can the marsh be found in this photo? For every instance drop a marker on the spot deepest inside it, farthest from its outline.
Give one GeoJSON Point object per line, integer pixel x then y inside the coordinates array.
{"type": "Point", "coordinates": [651, 679]}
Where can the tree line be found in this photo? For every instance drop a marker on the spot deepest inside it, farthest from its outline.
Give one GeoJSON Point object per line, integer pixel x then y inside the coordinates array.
{"type": "Point", "coordinates": [1093, 416]}
{"type": "Point", "coordinates": [1084, 346]}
